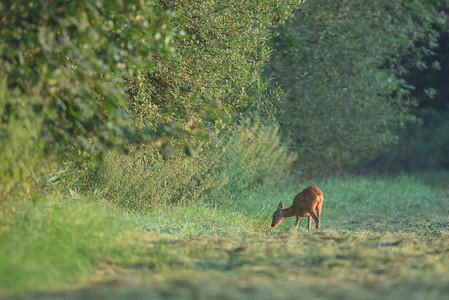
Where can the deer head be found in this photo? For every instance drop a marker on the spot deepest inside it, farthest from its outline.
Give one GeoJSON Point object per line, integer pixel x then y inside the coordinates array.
{"type": "Point", "coordinates": [278, 215]}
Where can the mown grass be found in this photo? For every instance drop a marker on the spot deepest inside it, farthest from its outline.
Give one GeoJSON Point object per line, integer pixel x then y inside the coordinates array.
{"type": "Point", "coordinates": [381, 238]}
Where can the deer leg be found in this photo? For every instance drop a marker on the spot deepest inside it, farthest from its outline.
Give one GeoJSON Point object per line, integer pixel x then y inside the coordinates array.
{"type": "Point", "coordinates": [315, 218]}
{"type": "Point", "coordinates": [297, 222]}
{"type": "Point", "coordinates": [309, 222]}
{"type": "Point", "coordinates": [318, 210]}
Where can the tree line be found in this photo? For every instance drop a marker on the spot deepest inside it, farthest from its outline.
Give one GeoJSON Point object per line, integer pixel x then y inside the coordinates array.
{"type": "Point", "coordinates": [181, 77]}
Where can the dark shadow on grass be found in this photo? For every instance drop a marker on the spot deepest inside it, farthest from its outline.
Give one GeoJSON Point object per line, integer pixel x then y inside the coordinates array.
{"type": "Point", "coordinates": [193, 288]}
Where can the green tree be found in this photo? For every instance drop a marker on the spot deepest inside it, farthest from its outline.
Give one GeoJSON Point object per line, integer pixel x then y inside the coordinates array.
{"type": "Point", "coordinates": [74, 55]}
{"type": "Point", "coordinates": [341, 64]}
{"type": "Point", "coordinates": [63, 64]}
{"type": "Point", "coordinates": [214, 77]}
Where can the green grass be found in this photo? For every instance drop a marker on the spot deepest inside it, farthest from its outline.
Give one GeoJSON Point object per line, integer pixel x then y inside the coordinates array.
{"type": "Point", "coordinates": [194, 219]}
{"type": "Point", "coordinates": [55, 243]}
{"type": "Point", "coordinates": [381, 238]}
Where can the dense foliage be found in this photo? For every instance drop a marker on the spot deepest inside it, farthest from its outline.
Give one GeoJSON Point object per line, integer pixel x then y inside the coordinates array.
{"type": "Point", "coordinates": [73, 56]}
{"type": "Point", "coordinates": [253, 157]}
{"type": "Point", "coordinates": [214, 78]}
{"type": "Point", "coordinates": [422, 146]}
{"type": "Point", "coordinates": [62, 66]}
{"type": "Point", "coordinates": [425, 145]}
{"type": "Point", "coordinates": [162, 78]}
{"type": "Point", "coordinates": [341, 64]}
{"type": "Point", "coordinates": [70, 68]}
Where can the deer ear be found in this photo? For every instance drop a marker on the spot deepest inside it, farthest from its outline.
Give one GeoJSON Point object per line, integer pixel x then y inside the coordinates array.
{"type": "Point", "coordinates": [280, 206]}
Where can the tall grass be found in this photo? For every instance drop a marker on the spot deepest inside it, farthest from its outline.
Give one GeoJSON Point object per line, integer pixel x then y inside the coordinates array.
{"type": "Point", "coordinates": [20, 146]}
{"type": "Point", "coordinates": [252, 157]}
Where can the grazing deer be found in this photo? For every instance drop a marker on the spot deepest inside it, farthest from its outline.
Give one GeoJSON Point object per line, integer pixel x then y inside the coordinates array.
{"type": "Point", "coordinates": [304, 205]}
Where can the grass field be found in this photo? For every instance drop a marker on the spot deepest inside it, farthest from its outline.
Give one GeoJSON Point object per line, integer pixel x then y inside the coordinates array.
{"type": "Point", "coordinates": [380, 238]}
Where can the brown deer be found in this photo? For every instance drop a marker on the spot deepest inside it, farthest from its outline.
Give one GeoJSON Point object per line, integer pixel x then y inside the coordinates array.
{"type": "Point", "coordinates": [305, 204]}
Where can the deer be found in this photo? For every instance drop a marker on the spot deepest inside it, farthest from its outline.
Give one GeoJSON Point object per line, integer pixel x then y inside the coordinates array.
{"type": "Point", "coordinates": [305, 204]}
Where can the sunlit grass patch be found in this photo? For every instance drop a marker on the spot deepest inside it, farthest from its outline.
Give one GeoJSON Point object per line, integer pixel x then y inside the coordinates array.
{"type": "Point", "coordinates": [57, 242]}
{"type": "Point", "coordinates": [402, 204]}
{"type": "Point", "coordinates": [199, 218]}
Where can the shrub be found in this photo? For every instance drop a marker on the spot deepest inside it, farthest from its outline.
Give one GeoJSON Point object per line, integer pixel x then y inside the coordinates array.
{"type": "Point", "coordinates": [252, 158]}
{"type": "Point", "coordinates": [134, 182]}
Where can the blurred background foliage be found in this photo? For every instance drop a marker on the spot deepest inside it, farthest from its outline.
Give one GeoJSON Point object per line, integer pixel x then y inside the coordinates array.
{"type": "Point", "coordinates": [422, 146]}
{"type": "Point", "coordinates": [343, 66]}
{"type": "Point", "coordinates": [425, 145]}
{"type": "Point", "coordinates": [156, 102]}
